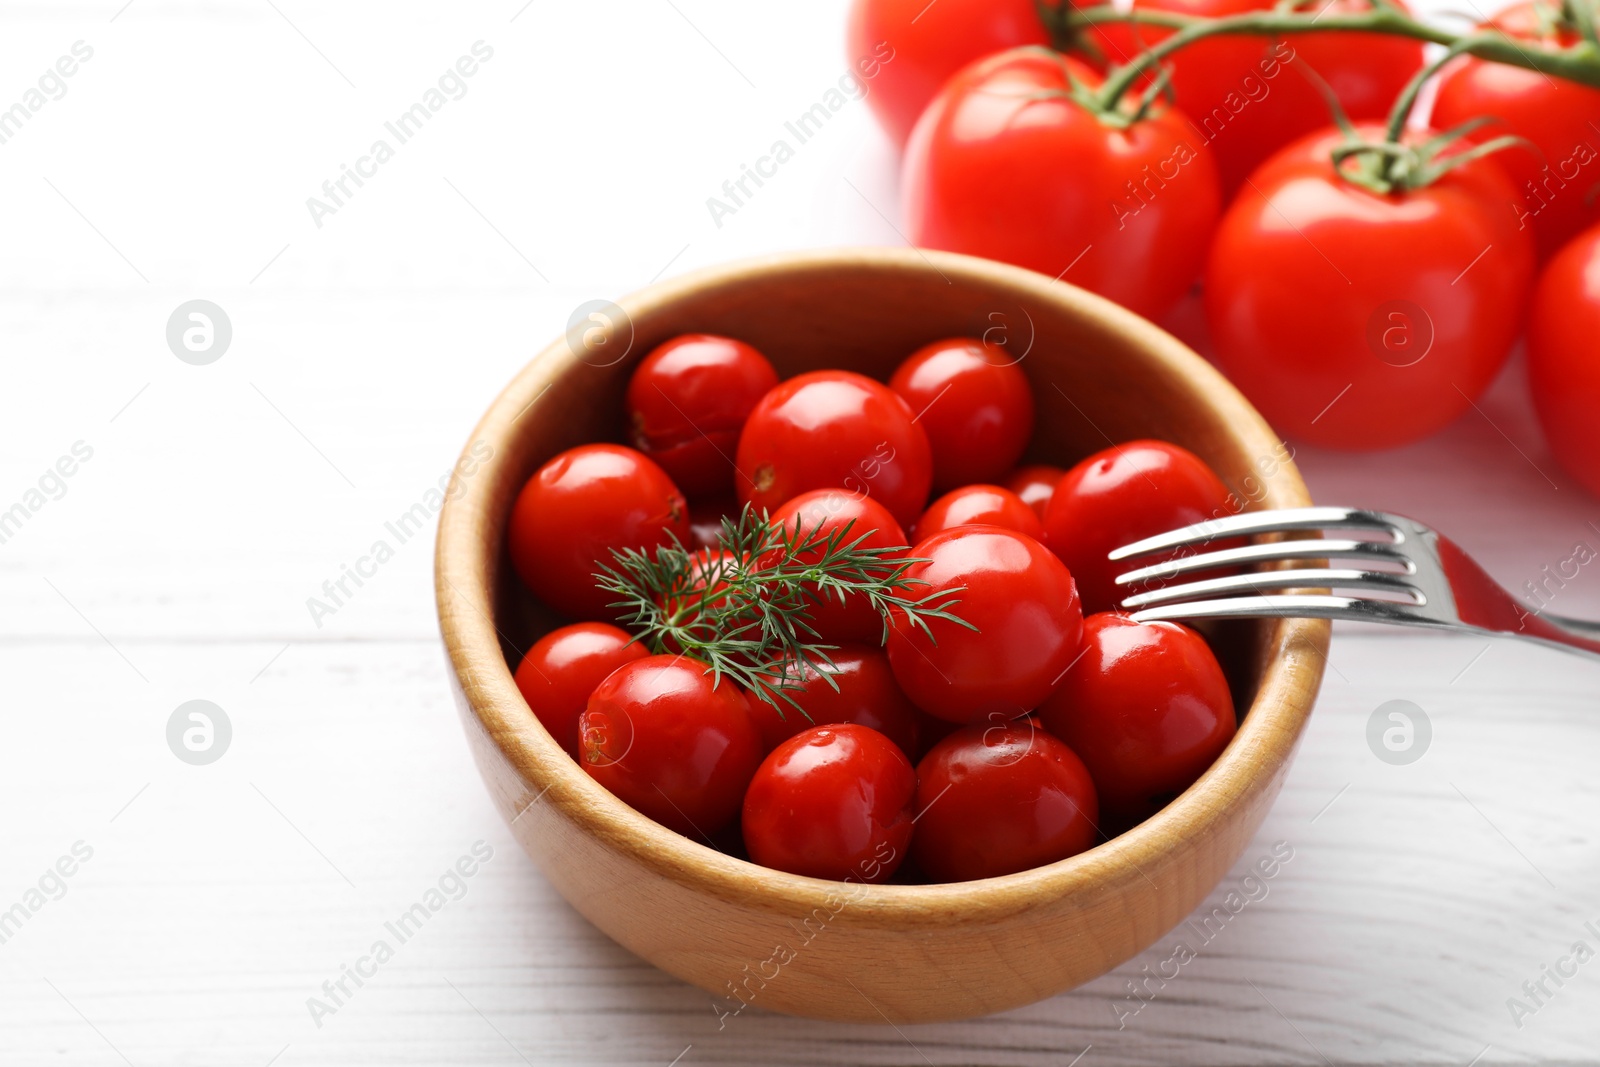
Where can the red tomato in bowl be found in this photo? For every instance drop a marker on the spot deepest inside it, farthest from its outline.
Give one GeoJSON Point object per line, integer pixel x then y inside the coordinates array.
{"type": "Point", "coordinates": [1026, 625]}
{"type": "Point", "coordinates": [667, 739]}
{"type": "Point", "coordinates": [1146, 708]}
{"type": "Point", "coordinates": [832, 802]}
{"type": "Point", "coordinates": [863, 691]}
{"type": "Point", "coordinates": [563, 667]}
{"type": "Point", "coordinates": [979, 505]}
{"type": "Point", "coordinates": [1035, 484]}
{"type": "Point", "coordinates": [580, 507]}
{"type": "Point", "coordinates": [1124, 494]}
{"type": "Point", "coordinates": [975, 405]}
{"type": "Point", "coordinates": [994, 800]}
{"type": "Point", "coordinates": [1247, 96]}
{"type": "Point", "coordinates": [1004, 165]}
{"type": "Point", "coordinates": [835, 429]}
{"type": "Point", "coordinates": [1556, 185]}
{"type": "Point", "coordinates": [687, 402]}
{"type": "Point", "coordinates": [1360, 321]}
{"type": "Point", "coordinates": [1564, 357]}
{"type": "Point", "coordinates": [906, 49]}
{"type": "Point", "coordinates": [820, 514]}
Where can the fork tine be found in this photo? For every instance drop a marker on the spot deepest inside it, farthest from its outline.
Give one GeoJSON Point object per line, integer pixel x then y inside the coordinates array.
{"type": "Point", "coordinates": [1310, 578]}
{"type": "Point", "coordinates": [1273, 552]}
{"type": "Point", "coordinates": [1259, 522]}
{"type": "Point", "coordinates": [1299, 606]}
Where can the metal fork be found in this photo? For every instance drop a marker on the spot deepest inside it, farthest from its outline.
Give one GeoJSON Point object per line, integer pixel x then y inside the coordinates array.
{"type": "Point", "coordinates": [1436, 584]}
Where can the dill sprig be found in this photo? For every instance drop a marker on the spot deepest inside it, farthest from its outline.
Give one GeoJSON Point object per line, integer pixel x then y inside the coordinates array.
{"type": "Point", "coordinates": [747, 612]}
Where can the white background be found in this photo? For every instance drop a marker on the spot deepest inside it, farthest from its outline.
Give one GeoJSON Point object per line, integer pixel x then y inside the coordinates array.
{"type": "Point", "coordinates": [178, 563]}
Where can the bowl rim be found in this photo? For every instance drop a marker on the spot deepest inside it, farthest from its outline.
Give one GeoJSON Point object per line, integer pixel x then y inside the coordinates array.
{"type": "Point", "coordinates": [466, 567]}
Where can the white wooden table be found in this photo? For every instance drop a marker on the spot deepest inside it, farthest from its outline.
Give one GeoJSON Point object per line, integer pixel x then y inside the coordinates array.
{"type": "Point", "coordinates": [206, 904]}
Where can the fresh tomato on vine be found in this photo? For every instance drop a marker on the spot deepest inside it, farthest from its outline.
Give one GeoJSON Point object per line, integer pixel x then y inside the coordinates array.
{"type": "Point", "coordinates": [1247, 94]}
{"type": "Point", "coordinates": [1366, 306]}
{"type": "Point", "coordinates": [906, 49]}
{"type": "Point", "coordinates": [1020, 159]}
{"type": "Point", "coordinates": [1564, 356]}
{"type": "Point", "coordinates": [1558, 181]}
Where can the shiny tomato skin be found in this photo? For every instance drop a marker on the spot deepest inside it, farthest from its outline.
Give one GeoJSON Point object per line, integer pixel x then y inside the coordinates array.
{"type": "Point", "coordinates": [1319, 296]}
{"type": "Point", "coordinates": [832, 802]}
{"type": "Point", "coordinates": [687, 402]}
{"type": "Point", "coordinates": [905, 50]}
{"type": "Point", "coordinates": [1146, 708]}
{"type": "Point", "coordinates": [975, 405]}
{"type": "Point", "coordinates": [577, 509]}
{"type": "Point", "coordinates": [1248, 96]}
{"type": "Point", "coordinates": [1564, 357]}
{"type": "Point", "coordinates": [866, 695]}
{"type": "Point", "coordinates": [1123, 494]}
{"type": "Point", "coordinates": [1035, 484]}
{"type": "Point", "coordinates": [666, 740]}
{"type": "Point", "coordinates": [979, 505]}
{"type": "Point", "coordinates": [1002, 166]}
{"type": "Point", "coordinates": [1029, 624]}
{"type": "Point", "coordinates": [835, 429]}
{"type": "Point", "coordinates": [563, 667]}
{"type": "Point", "coordinates": [1558, 116]}
{"type": "Point", "coordinates": [822, 513]}
{"type": "Point", "coordinates": [994, 800]}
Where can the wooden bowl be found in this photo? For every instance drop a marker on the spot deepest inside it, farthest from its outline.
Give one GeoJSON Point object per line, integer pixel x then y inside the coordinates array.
{"type": "Point", "coordinates": [758, 937]}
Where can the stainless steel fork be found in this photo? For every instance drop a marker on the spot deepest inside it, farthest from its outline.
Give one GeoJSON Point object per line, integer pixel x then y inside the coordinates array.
{"type": "Point", "coordinates": [1414, 577]}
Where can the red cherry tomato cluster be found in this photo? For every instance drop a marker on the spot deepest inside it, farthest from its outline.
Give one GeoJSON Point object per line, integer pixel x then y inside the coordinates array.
{"type": "Point", "coordinates": [977, 726]}
{"type": "Point", "coordinates": [1361, 299]}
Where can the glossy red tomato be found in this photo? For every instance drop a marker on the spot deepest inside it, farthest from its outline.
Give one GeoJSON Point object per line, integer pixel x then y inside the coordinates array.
{"type": "Point", "coordinates": [904, 50]}
{"type": "Point", "coordinates": [1147, 710]}
{"type": "Point", "coordinates": [994, 800]}
{"type": "Point", "coordinates": [667, 741]}
{"type": "Point", "coordinates": [1124, 494]}
{"type": "Point", "coordinates": [577, 509]}
{"type": "Point", "coordinates": [835, 429]}
{"type": "Point", "coordinates": [1028, 625]}
{"type": "Point", "coordinates": [832, 802]}
{"type": "Point", "coordinates": [1004, 165]}
{"type": "Point", "coordinates": [975, 405]}
{"type": "Point", "coordinates": [1248, 96]}
{"type": "Point", "coordinates": [1357, 320]}
{"type": "Point", "coordinates": [1556, 185]}
{"type": "Point", "coordinates": [822, 513]}
{"type": "Point", "coordinates": [866, 695]}
{"type": "Point", "coordinates": [1035, 484]}
{"type": "Point", "coordinates": [1564, 357]}
{"type": "Point", "coordinates": [687, 402]}
{"type": "Point", "coordinates": [979, 505]}
{"type": "Point", "coordinates": [562, 668]}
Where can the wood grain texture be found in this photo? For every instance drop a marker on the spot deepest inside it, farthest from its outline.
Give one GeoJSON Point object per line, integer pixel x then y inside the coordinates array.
{"type": "Point", "coordinates": [893, 953]}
